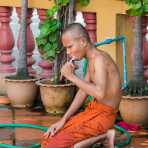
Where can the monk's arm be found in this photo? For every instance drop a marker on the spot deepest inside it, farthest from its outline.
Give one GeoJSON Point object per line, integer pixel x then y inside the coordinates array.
{"type": "Point", "coordinates": [98, 88]}
{"type": "Point", "coordinates": [77, 102]}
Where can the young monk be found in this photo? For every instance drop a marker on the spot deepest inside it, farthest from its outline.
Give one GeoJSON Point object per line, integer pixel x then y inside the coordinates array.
{"type": "Point", "coordinates": [102, 82]}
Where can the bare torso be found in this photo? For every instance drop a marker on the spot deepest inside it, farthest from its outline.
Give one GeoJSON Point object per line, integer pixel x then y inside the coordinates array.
{"type": "Point", "coordinates": [112, 95]}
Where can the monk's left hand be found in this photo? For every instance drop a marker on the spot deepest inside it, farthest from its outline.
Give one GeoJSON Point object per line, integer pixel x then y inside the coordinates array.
{"type": "Point", "coordinates": [67, 70]}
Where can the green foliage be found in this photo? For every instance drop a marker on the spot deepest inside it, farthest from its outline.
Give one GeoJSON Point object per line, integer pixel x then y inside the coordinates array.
{"type": "Point", "coordinates": [84, 2]}
{"type": "Point", "coordinates": [48, 40]}
{"type": "Point", "coordinates": [62, 2]}
{"type": "Point", "coordinates": [137, 7]}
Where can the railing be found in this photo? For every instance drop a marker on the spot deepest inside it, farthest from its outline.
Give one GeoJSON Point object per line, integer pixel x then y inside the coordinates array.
{"type": "Point", "coordinates": [10, 39]}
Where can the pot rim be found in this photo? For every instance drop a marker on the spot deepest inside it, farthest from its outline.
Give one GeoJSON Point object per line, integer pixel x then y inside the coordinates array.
{"type": "Point", "coordinates": [40, 83]}
{"type": "Point", "coordinates": [128, 97]}
{"type": "Point", "coordinates": [25, 80]}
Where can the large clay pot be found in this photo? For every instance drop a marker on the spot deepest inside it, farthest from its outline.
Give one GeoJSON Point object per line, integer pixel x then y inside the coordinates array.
{"type": "Point", "coordinates": [56, 98]}
{"type": "Point", "coordinates": [134, 109]}
{"type": "Point", "coordinates": [21, 92]}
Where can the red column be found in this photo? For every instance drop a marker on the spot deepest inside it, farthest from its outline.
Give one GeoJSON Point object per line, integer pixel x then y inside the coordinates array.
{"type": "Point", "coordinates": [30, 41]}
{"type": "Point", "coordinates": [145, 45]}
{"type": "Point", "coordinates": [6, 41]}
{"type": "Point", "coordinates": [90, 20]}
{"type": "Point", "coordinates": [44, 64]}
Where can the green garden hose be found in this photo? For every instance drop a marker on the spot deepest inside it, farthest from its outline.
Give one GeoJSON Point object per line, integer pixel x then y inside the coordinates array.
{"type": "Point", "coordinates": [22, 126]}
{"type": "Point", "coordinates": [45, 129]}
{"type": "Point", "coordinates": [123, 131]}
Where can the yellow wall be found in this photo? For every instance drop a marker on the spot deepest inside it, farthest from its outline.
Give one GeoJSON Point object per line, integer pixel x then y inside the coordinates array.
{"type": "Point", "coordinates": [106, 16]}
{"type": "Point", "coordinates": [106, 19]}
{"type": "Point", "coordinates": [32, 3]}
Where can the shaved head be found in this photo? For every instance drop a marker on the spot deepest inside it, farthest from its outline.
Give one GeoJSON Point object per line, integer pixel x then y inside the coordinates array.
{"type": "Point", "coordinates": [77, 30]}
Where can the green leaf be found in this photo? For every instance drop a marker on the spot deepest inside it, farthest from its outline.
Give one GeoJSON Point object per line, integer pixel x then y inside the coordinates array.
{"type": "Point", "coordinates": [49, 13]}
{"type": "Point", "coordinates": [55, 26]}
{"type": "Point", "coordinates": [47, 47]}
{"type": "Point", "coordinates": [62, 2]}
{"type": "Point", "coordinates": [129, 2]}
{"type": "Point", "coordinates": [54, 46]}
{"type": "Point", "coordinates": [136, 6]}
{"type": "Point", "coordinates": [53, 37]}
{"type": "Point", "coordinates": [84, 2]}
{"type": "Point", "coordinates": [145, 2]}
{"type": "Point", "coordinates": [44, 29]}
{"type": "Point", "coordinates": [135, 12]}
{"type": "Point", "coordinates": [51, 54]}
{"type": "Point", "coordinates": [146, 8]}
{"type": "Point", "coordinates": [41, 41]}
{"type": "Point", "coordinates": [52, 11]}
{"type": "Point", "coordinates": [55, 8]}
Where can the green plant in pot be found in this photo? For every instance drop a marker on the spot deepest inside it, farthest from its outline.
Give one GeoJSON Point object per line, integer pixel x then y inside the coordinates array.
{"type": "Point", "coordinates": [56, 94]}
{"type": "Point", "coordinates": [21, 88]}
{"type": "Point", "coordinates": [133, 107]}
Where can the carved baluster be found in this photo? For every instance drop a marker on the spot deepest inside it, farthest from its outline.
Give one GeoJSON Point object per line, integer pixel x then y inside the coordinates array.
{"type": "Point", "coordinates": [6, 46]}
{"type": "Point", "coordinates": [90, 20]}
{"type": "Point", "coordinates": [44, 64]}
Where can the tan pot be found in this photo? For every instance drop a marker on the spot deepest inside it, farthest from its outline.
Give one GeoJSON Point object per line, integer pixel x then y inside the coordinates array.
{"type": "Point", "coordinates": [56, 98]}
{"type": "Point", "coordinates": [21, 92]}
{"type": "Point", "coordinates": [134, 109]}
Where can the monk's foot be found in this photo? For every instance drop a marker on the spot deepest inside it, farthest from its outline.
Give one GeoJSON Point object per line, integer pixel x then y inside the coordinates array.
{"type": "Point", "coordinates": [110, 137]}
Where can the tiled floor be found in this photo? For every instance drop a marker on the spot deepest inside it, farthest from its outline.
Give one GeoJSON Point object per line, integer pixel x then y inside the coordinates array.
{"type": "Point", "coordinates": [29, 136]}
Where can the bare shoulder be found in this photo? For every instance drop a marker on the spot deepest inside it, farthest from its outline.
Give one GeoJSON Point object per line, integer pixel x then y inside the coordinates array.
{"type": "Point", "coordinates": [104, 61]}
{"type": "Point", "coordinates": [101, 58]}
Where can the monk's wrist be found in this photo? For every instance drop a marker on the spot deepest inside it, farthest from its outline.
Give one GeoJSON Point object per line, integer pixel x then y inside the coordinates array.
{"type": "Point", "coordinates": [64, 119]}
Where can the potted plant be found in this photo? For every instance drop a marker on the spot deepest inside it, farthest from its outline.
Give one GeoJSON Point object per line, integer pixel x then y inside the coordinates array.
{"type": "Point", "coordinates": [133, 107]}
{"type": "Point", "coordinates": [56, 94]}
{"type": "Point", "coordinates": [21, 88]}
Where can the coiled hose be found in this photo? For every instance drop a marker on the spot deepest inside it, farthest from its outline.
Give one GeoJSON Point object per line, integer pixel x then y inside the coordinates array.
{"type": "Point", "coordinates": [42, 128]}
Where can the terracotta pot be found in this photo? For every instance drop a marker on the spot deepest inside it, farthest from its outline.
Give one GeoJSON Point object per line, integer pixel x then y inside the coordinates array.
{"type": "Point", "coordinates": [134, 109]}
{"type": "Point", "coordinates": [21, 92]}
{"type": "Point", "coordinates": [56, 98]}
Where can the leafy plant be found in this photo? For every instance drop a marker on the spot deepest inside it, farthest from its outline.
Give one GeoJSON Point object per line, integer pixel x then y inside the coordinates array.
{"type": "Point", "coordinates": [137, 86]}
{"type": "Point", "coordinates": [50, 31]}
{"type": "Point", "coordinates": [137, 7]}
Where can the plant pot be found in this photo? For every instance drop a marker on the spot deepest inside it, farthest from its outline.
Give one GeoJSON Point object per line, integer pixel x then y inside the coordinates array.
{"type": "Point", "coordinates": [56, 98]}
{"type": "Point", "coordinates": [134, 109]}
{"type": "Point", "coordinates": [21, 92]}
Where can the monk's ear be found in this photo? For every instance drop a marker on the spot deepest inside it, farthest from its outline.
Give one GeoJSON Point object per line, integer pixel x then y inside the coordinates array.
{"type": "Point", "coordinates": [83, 42]}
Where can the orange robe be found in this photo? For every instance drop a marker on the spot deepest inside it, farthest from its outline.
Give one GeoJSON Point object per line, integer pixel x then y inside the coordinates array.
{"type": "Point", "coordinates": [95, 120]}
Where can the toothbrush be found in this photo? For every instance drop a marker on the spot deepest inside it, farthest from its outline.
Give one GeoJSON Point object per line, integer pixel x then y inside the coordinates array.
{"type": "Point", "coordinates": [71, 61]}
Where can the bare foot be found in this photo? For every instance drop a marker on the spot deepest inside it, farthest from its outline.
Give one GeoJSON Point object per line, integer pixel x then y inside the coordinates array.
{"type": "Point", "coordinates": [109, 141]}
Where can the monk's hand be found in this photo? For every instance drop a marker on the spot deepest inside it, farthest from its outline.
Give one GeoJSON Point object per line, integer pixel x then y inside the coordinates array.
{"type": "Point", "coordinates": [53, 129]}
{"type": "Point", "coordinates": [67, 70]}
